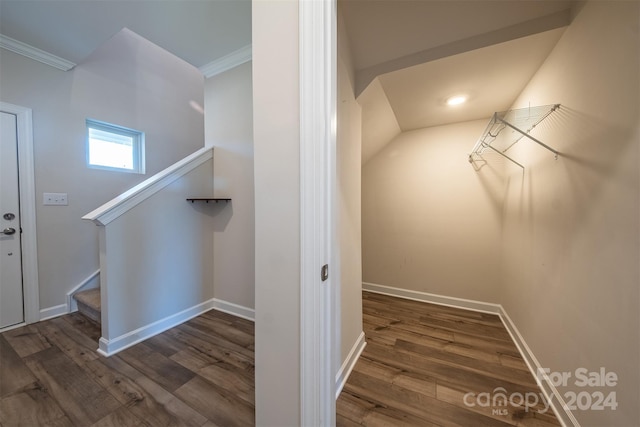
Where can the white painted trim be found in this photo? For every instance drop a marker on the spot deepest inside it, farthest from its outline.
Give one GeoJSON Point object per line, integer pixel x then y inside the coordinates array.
{"type": "Point", "coordinates": [552, 395]}
{"type": "Point", "coordinates": [34, 53]}
{"type": "Point", "coordinates": [26, 172]}
{"type": "Point", "coordinates": [91, 282]}
{"type": "Point", "coordinates": [113, 346]}
{"type": "Point", "coordinates": [16, 326]}
{"type": "Point", "coordinates": [234, 309]}
{"type": "Point", "coordinates": [349, 363]}
{"type": "Point", "coordinates": [132, 197]}
{"type": "Point", "coordinates": [467, 304]}
{"type": "Point", "coordinates": [227, 62]}
{"type": "Point", "coordinates": [318, 326]}
{"type": "Point", "coordinates": [55, 311]}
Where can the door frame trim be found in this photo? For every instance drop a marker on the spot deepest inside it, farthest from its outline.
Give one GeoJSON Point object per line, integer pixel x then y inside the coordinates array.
{"type": "Point", "coordinates": [319, 326]}
{"type": "Point", "coordinates": [26, 175]}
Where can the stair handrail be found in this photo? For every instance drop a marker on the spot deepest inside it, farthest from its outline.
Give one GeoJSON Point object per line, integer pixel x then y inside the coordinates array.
{"type": "Point", "coordinates": [135, 195]}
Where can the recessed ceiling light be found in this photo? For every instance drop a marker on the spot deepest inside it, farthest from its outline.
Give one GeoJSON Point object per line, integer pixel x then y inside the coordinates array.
{"type": "Point", "coordinates": [456, 100]}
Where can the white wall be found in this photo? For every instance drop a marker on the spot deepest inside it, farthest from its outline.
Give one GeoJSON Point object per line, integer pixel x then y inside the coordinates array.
{"type": "Point", "coordinates": [430, 223]}
{"type": "Point", "coordinates": [557, 244]}
{"type": "Point", "coordinates": [571, 226]}
{"type": "Point", "coordinates": [129, 82]}
{"type": "Point", "coordinates": [158, 258]}
{"type": "Point", "coordinates": [276, 130]}
{"type": "Point", "coordinates": [379, 123]}
{"type": "Point", "coordinates": [229, 128]}
{"type": "Point", "coordinates": [349, 167]}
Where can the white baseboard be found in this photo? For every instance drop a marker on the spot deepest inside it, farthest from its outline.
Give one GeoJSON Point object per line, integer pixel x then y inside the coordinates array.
{"type": "Point", "coordinates": [235, 309]}
{"type": "Point", "coordinates": [91, 282]}
{"type": "Point", "coordinates": [51, 312]}
{"type": "Point", "coordinates": [349, 363]}
{"type": "Point", "coordinates": [552, 395]}
{"type": "Point", "coordinates": [467, 304]}
{"type": "Point", "coordinates": [113, 346]}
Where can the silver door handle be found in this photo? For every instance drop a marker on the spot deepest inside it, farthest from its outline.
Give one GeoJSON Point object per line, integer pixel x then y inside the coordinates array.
{"type": "Point", "coordinates": [9, 231]}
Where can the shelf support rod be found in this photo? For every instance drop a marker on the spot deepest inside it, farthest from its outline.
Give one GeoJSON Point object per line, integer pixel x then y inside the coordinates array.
{"type": "Point", "coordinates": [485, 145]}
{"type": "Point", "coordinates": [481, 142]}
{"type": "Point", "coordinates": [528, 136]}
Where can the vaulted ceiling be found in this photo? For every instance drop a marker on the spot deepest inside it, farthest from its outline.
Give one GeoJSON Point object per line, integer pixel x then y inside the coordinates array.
{"type": "Point", "coordinates": [410, 56]}
{"type": "Point", "coordinates": [198, 31]}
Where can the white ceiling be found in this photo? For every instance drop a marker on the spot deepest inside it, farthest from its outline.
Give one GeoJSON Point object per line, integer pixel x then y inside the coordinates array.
{"type": "Point", "coordinates": [411, 55]}
{"type": "Point", "coordinates": [198, 31]}
{"type": "Point", "coordinates": [383, 30]}
{"type": "Point", "coordinates": [420, 51]}
{"type": "Point", "coordinates": [491, 77]}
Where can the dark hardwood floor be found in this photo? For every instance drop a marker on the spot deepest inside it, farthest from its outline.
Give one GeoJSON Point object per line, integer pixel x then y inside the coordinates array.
{"type": "Point", "coordinates": [424, 365]}
{"type": "Point", "coordinates": [200, 373]}
{"type": "Point", "coordinates": [431, 365]}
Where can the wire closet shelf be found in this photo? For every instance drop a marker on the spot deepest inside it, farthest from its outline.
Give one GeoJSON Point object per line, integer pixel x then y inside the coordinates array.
{"type": "Point", "coordinates": [521, 122]}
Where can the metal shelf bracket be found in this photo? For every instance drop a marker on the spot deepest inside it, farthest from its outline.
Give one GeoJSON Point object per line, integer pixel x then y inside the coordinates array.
{"type": "Point", "coordinates": [517, 120]}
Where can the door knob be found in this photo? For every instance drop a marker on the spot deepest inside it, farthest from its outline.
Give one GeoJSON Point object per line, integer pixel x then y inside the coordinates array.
{"type": "Point", "coordinates": [9, 231]}
{"type": "Point", "coordinates": [8, 216]}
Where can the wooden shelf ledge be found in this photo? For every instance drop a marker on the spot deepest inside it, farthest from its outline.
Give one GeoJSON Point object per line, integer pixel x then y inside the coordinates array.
{"type": "Point", "coordinates": [207, 200]}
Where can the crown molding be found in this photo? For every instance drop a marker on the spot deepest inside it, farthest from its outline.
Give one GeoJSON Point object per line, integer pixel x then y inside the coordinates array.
{"type": "Point", "coordinates": [227, 62]}
{"type": "Point", "coordinates": [35, 53]}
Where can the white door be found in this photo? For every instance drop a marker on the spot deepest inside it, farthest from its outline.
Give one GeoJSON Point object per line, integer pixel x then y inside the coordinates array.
{"type": "Point", "coordinates": [11, 292]}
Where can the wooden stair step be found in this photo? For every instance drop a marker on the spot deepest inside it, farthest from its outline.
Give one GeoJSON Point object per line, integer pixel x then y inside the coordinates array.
{"type": "Point", "coordinates": [89, 303]}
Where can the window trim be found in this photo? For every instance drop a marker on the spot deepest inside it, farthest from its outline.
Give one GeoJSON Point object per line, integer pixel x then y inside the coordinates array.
{"type": "Point", "coordinates": [138, 145]}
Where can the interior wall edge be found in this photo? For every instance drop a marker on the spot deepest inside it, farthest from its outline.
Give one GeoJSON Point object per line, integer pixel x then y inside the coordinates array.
{"type": "Point", "coordinates": [349, 363]}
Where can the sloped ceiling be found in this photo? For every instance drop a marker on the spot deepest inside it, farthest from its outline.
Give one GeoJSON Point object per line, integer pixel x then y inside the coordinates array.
{"type": "Point", "coordinates": [413, 55]}
{"type": "Point", "coordinates": [491, 77]}
{"type": "Point", "coordinates": [197, 31]}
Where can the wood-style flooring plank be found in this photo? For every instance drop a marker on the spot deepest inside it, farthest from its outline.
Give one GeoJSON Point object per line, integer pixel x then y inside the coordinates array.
{"type": "Point", "coordinates": [442, 372]}
{"type": "Point", "coordinates": [234, 380]}
{"type": "Point", "coordinates": [418, 405]}
{"type": "Point", "coordinates": [52, 375]}
{"type": "Point", "coordinates": [121, 418]}
{"type": "Point", "coordinates": [213, 346]}
{"type": "Point", "coordinates": [14, 374]}
{"type": "Point", "coordinates": [84, 401]}
{"type": "Point", "coordinates": [357, 410]}
{"type": "Point", "coordinates": [144, 398]}
{"type": "Point", "coordinates": [215, 339]}
{"type": "Point", "coordinates": [223, 329]}
{"type": "Point", "coordinates": [478, 365]}
{"type": "Point", "coordinates": [26, 340]}
{"type": "Point", "coordinates": [83, 324]}
{"type": "Point", "coordinates": [156, 366]}
{"type": "Point", "coordinates": [194, 359]}
{"type": "Point", "coordinates": [236, 322]}
{"type": "Point", "coordinates": [217, 404]}
{"type": "Point", "coordinates": [422, 360]}
{"type": "Point", "coordinates": [74, 344]}
{"type": "Point", "coordinates": [164, 344]}
{"type": "Point", "coordinates": [32, 406]}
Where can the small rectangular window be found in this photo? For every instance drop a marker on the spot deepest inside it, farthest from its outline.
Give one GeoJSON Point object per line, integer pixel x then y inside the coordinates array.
{"type": "Point", "coordinates": [114, 147]}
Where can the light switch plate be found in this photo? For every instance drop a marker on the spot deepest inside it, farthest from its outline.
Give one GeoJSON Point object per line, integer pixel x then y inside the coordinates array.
{"type": "Point", "coordinates": [54, 199]}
